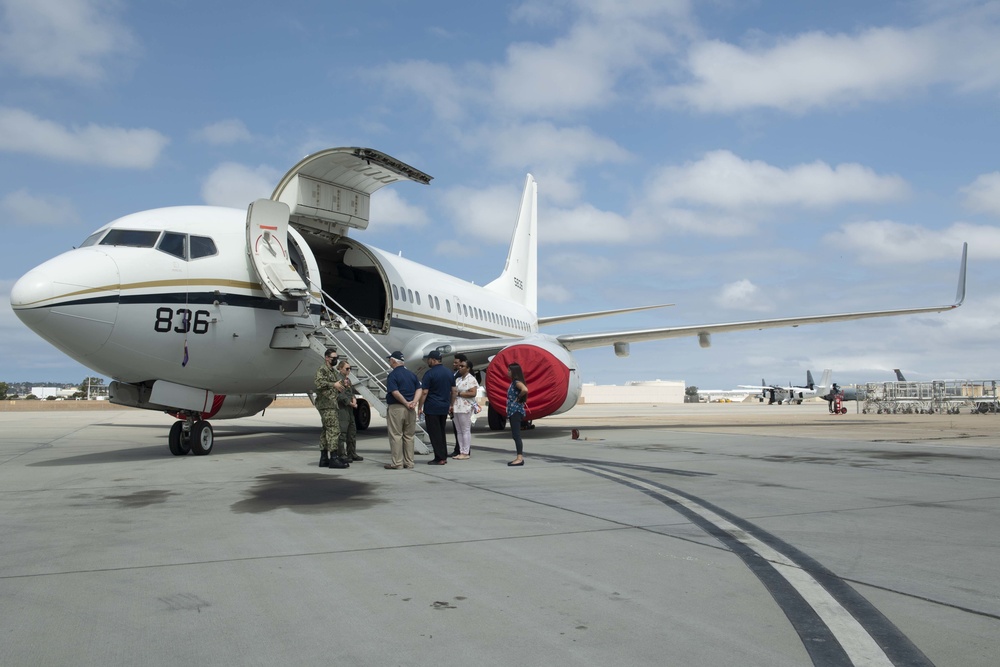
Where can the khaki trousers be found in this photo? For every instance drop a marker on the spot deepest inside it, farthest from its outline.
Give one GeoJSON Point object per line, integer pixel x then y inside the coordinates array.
{"type": "Point", "coordinates": [402, 424]}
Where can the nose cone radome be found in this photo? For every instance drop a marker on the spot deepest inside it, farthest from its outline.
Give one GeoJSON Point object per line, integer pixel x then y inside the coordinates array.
{"type": "Point", "coordinates": [70, 301]}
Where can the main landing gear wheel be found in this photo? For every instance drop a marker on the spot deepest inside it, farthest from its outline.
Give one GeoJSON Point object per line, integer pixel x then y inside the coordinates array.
{"type": "Point", "coordinates": [497, 421]}
{"type": "Point", "coordinates": [202, 438]}
{"type": "Point", "coordinates": [362, 415]}
{"type": "Point", "coordinates": [179, 441]}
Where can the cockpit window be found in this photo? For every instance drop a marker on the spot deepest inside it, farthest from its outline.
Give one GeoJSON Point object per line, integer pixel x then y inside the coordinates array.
{"type": "Point", "coordinates": [131, 237]}
{"type": "Point", "coordinates": [172, 243]}
{"type": "Point", "coordinates": [202, 246]}
{"type": "Point", "coordinates": [92, 239]}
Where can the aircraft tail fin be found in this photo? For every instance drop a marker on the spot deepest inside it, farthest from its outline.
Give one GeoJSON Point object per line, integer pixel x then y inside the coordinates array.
{"type": "Point", "coordinates": [899, 375]}
{"type": "Point", "coordinates": [809, 380]}
{"type": "Point", "coordinates": [519, 280]}
{"type": "Point", "coordinates": [824, 381]}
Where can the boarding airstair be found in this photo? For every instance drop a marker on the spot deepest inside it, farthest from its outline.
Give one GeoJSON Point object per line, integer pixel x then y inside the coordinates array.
{"type": "Point", "coordinates": [353, 341]}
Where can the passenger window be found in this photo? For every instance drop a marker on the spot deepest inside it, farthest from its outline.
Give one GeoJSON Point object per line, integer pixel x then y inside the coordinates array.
{"type": "Point", "coordinates": [418, 298]}
{"type": "Point", "coordinates": [409, 293]}
{"type": "Point", "coordinates": [172, 243]}
{"type": "Point", "coordinates": [131, 237]}
{"type": "Point", "coordinates": [202, 246]}
{"type": "Point", "coordinates": [447, 304]}
{"type": "Point", "coordinates": [395, 293]}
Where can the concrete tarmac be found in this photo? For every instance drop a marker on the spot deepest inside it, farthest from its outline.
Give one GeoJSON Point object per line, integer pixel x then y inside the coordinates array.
{"type": "Point", "coordinates": [669, 535]}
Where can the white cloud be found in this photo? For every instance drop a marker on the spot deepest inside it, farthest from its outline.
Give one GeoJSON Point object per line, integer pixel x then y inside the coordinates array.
{"type": "Point", "coordinates": [553, 154]}
{"type": "Point", "coordinates": [436, 84]}
{"type": "Point", "coordinates": [983, 194]}
{"type": "Point", "coordinates": [567, 275]}
{"type": "Point", "coordinates": [879, 241]}
{"type": "Point", "coordinates": [816, 69]}
{"type": "Point", "coordinates": [576, 71]}
{"type": "Point", "coordinates": [223, 133]}
{"type": "Point", "coordinates": [562, 148]}
{"type": "Point", "coordinates": [63, 39]}
{"type": "Point", "coordinates": [583, 224]}
{"type": "Point", "coordinates": [486, 214]}
{"type": "Point", "coordinates": [388, 208]}
{"type": "Point", "coordinates": [581, 70]}
{"type": "Point", "coordinates": [655, 219]}
{"type": "Point", "coordinates": [23, 132]}
{"type": "Point", "coordinates": [554, 293]}
{"type": "Point", "coordinates": [22, 207]}
{"type": "Point", "coordinates": [723, 180]}
{"type": "Point", "coordinates": [724, 195]}
{"type": "Point", "coordinates": [742, 295]}
{"type": "Point", "coordinates": [237, 185]}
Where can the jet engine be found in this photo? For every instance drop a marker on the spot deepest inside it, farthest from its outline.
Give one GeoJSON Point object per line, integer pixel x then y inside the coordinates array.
{"type": "Point", "coordinates": [554, 385]}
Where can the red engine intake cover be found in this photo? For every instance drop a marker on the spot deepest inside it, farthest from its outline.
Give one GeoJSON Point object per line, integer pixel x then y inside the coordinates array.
{"type": "Point", "coordinates": [547, 379]}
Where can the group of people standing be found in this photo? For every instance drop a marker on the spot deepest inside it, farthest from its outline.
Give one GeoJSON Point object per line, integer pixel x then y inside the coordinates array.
{"type": "Point", "coordinates": [439, 394]}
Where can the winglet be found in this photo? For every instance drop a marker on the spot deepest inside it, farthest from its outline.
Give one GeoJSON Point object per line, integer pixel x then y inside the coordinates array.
{"type": "Point", "coordinates": [960, 295]}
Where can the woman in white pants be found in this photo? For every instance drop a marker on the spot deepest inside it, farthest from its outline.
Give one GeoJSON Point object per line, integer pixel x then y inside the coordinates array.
{"type": "Point", "coordinates": [462, 409]}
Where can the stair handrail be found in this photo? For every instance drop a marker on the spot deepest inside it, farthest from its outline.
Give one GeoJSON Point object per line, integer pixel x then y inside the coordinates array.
{"type": "Point", "coordinates": [355, 329]}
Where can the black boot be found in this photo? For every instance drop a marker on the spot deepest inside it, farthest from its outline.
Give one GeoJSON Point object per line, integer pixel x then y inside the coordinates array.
{"type": "Point", "coordinates": [324, 459]}
{"type": "Point", "coordinates": [336, 462]}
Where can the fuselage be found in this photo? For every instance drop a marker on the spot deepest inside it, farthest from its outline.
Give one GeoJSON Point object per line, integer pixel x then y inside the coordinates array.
{"type": "Point", "coordinates": [171, 294]}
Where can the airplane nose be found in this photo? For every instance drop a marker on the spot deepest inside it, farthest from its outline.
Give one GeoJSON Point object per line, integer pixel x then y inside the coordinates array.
{"type": "Point", "coordinates": [70, 301]}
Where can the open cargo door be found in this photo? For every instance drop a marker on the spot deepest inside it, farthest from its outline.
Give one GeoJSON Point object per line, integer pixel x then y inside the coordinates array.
{"type": "Point", "coordinates": [328, 193]}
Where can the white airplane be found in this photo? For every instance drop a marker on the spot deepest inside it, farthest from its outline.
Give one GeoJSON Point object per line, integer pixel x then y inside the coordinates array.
{"type": "Point", "coordinates": [207, 312]}
{"type": "Point", "coordinates": [793, 394]}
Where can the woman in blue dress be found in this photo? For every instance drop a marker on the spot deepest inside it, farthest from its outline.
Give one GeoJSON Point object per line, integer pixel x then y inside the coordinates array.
{"type": "Point", "coordinates": [517, 397]}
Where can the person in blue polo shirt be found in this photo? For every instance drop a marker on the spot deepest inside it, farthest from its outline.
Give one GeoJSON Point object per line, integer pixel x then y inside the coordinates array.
{"type": "Point", "coordinates": [435, 404]}
{"type": "Point", "coordinates": [402, 397]}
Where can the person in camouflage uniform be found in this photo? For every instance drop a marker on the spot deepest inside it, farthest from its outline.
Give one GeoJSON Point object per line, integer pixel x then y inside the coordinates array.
{"type": "Point", "coordinates": [329, 384]}
{"type": "Point", "coordinates": [346, 403]}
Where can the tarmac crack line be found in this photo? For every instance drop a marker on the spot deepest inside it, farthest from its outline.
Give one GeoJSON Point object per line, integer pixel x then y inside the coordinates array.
{"type": "Point", "coordinates": [310, 554]}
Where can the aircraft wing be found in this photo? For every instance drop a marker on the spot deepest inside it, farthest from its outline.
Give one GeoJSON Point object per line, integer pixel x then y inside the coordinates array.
{"type": "Point", "coordinates": [703, 331]}
{"type": "Point", "coordinates": [559, 319]}
{"type": "Point", "coordinates": [581, 341]}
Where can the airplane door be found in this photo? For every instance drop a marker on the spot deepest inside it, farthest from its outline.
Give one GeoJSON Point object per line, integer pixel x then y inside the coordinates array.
{"type": "Point", "coordinates": [267, 246]}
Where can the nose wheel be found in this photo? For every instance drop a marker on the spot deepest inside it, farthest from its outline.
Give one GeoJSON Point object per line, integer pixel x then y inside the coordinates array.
{"type": "Point", "coordinates": [192, 436]}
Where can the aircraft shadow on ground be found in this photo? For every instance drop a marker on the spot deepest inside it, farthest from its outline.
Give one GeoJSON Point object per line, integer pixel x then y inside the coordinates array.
{"type": "Point", "coordinates": [226, 444]}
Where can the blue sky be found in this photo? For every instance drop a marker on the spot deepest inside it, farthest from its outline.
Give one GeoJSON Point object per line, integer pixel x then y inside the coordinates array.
{"type": "Point", "coordinates": [742, 160]}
